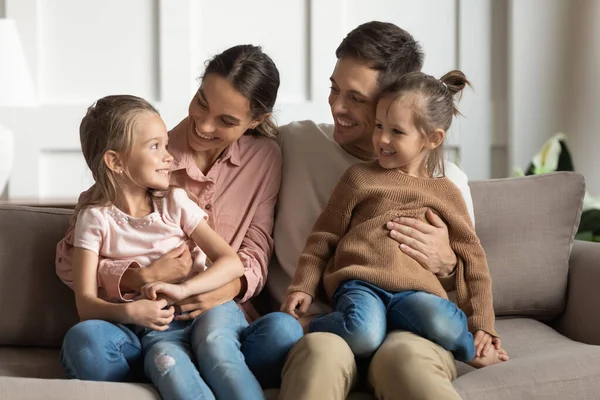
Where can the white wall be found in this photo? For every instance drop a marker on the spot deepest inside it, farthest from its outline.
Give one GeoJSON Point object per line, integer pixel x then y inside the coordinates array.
{"type": "Point", "coordinates": [534, 64]}
{"type": "Point", "coordinates": [79, 51]}
{"type": "Point", "coordinates": [537, 70]}
{"type": "Point", "coordinates": [583, 125]}
{"type": "Point", "coordinates": [554, 75]}
{"type": "Point", "coordinates": [499, 90]}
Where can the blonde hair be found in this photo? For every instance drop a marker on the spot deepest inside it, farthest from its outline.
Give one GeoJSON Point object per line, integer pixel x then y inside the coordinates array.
{"type": "Point", "coordinates": [109, 124]}
{"type": "Point", "coordinates": [434, 106]}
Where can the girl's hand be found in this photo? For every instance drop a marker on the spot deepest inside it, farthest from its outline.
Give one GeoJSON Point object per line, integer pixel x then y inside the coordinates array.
{"type": "Point", "coordinates": [497, 343]}
{"type": "Point", "coordinates": [483, 343]}
{"type": "Point", "coordinates": [151, 314]}
{"type": "Point", "coordinates": [297, 300]}
{"type": "Point", "coordinates": [174, 292]}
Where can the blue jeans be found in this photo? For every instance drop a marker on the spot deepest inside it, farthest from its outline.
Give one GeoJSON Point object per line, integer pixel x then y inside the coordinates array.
{"type": "Point", "coordinates": [103, 351]}
{"type": "Point", "coordinates": [364, 314]}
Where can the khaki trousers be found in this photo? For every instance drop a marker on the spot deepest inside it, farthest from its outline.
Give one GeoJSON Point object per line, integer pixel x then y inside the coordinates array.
{"type": "Point", "coordinates": [406, 366]}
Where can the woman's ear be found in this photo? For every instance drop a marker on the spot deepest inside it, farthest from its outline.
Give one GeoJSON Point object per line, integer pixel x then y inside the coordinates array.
{"type": "Point", "coordinates": [256, 122]}
{"type": "Point", "coordinates": [113, 161]}
{"type": "Point", "coordinates": [436, 138]}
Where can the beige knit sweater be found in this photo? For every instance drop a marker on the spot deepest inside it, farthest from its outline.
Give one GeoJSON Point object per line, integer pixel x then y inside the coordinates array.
{"type": "Point", "coordinates": [350, 240]}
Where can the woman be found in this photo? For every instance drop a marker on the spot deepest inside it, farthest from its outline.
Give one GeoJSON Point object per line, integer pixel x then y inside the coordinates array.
{"type": "Point", "coordinates": [224, 157]}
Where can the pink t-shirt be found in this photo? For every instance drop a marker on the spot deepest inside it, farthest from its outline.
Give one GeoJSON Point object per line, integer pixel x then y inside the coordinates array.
{"type": "Point", "coordinates": [112, 234]}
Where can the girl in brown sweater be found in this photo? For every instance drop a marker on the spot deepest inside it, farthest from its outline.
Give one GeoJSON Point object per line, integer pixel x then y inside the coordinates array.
{"type": "Point", "coordinates": [375, 287]}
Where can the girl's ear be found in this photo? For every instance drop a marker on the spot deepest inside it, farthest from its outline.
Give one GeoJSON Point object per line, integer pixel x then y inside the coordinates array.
{"type": "Point", "coordinates": [436, 138]}
{"type": "Point", "coordinates": [113, 161]}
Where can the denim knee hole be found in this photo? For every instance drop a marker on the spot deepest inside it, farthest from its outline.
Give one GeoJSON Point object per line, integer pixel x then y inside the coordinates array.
{"type": "Point", "coordinates": [164, 363]}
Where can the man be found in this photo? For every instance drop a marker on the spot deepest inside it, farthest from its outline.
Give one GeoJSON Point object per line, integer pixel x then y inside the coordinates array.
{"type": "Point", "coordinates": [321, 365]}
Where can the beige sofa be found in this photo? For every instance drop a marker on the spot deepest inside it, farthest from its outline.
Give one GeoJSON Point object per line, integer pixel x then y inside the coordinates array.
{"type": "Point", "coordinates": [546, 297]}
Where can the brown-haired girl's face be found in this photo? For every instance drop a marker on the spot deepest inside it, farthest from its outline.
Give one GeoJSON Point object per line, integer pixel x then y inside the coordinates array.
{"type": "Point", "coordinates": [149, 162]}
{"type": "Point", "coordinates": [218, 115]}
{"type": "Point", "coordinates": [397, 140]}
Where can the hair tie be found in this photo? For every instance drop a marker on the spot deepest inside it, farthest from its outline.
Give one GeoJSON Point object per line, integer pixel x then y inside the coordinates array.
{"type": "Point", "coordinates": [444, 83]}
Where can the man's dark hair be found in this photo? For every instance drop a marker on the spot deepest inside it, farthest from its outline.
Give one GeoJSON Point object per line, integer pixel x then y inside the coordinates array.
{"type": "Point", "coordinates": [384, 47]}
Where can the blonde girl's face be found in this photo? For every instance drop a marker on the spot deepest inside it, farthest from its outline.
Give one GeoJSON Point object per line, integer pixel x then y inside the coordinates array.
{"type": "Point", "coordinates": [149, 162]}
{"type": "Point", "coordinates": [398, 143]}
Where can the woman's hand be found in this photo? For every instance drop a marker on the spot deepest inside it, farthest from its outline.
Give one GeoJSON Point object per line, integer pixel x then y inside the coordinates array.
{"type": "Point", "coordinates": [297, 301]}
{"type": "Point", "coordinates": [152, 291]}
{"type": "Point", "coordinates": [429, 245]}
{"type": "Point", "coordinates": [150, 314]}
{"type": "Point", "coordinates": [173, 267]}
{"type": "Point", "coordinates": [193, 306]}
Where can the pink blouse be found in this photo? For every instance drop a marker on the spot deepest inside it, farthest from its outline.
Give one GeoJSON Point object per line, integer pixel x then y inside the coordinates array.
{"type": "Point", "coordinates": [238, 194]}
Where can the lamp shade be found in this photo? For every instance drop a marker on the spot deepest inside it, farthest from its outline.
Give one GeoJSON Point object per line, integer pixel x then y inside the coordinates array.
{"type": "Point", "coordinates": [16, 87]}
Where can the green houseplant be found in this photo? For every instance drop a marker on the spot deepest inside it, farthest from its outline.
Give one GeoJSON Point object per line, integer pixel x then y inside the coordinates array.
{"type": "Point", "coordinates": [555, 156]}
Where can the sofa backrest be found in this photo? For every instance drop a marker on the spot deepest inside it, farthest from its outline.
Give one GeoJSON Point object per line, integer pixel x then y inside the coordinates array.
{"type": "Point", "coordinates": [36, 308]}
{"type": "Point", "coordinates": [527, 226]}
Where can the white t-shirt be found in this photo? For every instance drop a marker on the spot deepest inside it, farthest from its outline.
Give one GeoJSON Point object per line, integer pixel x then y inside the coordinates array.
{"type": "Point", "coordinates": [313, 163]}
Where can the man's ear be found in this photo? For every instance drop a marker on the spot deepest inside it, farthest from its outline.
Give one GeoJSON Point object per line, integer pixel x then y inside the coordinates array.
{"type": "Point", "coordinates": [436, 138]}
{"type": "Point", "coordinates": [113, 161]}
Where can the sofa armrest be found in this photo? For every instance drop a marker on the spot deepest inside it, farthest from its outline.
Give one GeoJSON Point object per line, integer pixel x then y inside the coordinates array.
{"type": "Point", "coordinates": [580, 320]}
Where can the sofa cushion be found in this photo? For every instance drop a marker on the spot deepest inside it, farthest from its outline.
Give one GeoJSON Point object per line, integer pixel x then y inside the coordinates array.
{"type": "Point", "coordinates": [59, 389]}
{"type": "Point", "coordinates": [543, 365]}
{"type": "Point", "coordinates": [37, 308]}
{"type": "Point", "coordinates": [31, 362]}
{"type": "Point", "coordinates": [527, 226]}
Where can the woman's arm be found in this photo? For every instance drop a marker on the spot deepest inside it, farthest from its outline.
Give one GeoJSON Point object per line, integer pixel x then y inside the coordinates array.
{"type": "Point", "coordinates": [255, 250]}
{"type": "Point", "coordinates": [226, 266]}
{"type": "Point", "coordinates": [257, 247]}
{"type": "Point", "coordinates": [172, 267]}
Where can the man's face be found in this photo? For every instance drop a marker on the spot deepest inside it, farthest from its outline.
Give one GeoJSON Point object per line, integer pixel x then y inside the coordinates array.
{"type": "Point", "coordinates": [352, 99]}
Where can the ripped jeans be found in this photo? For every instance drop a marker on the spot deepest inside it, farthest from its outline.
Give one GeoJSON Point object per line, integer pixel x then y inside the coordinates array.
{"type": "Point", "coordinates": [213, 340]}
{"type": "Point", "coordinates": [213, 356]}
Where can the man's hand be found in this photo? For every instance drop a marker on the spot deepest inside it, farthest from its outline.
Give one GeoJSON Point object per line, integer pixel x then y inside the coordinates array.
{"type": "Point", "coordinates": [196, 305]}
{"type": "Point", "coordinates": [429, 245]}
{"type": "Point", "coordinates": [297, 301]}
{"type": "Point", "coordinates": [173, 267]}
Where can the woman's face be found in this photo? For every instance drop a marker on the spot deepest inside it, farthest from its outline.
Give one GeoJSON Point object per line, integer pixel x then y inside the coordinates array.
{"type": "Point", "coordinates": [218, 115]}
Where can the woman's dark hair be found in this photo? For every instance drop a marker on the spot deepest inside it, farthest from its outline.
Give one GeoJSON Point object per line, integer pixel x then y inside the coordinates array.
{"type": "Point", "coordinates": [254, 74]}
